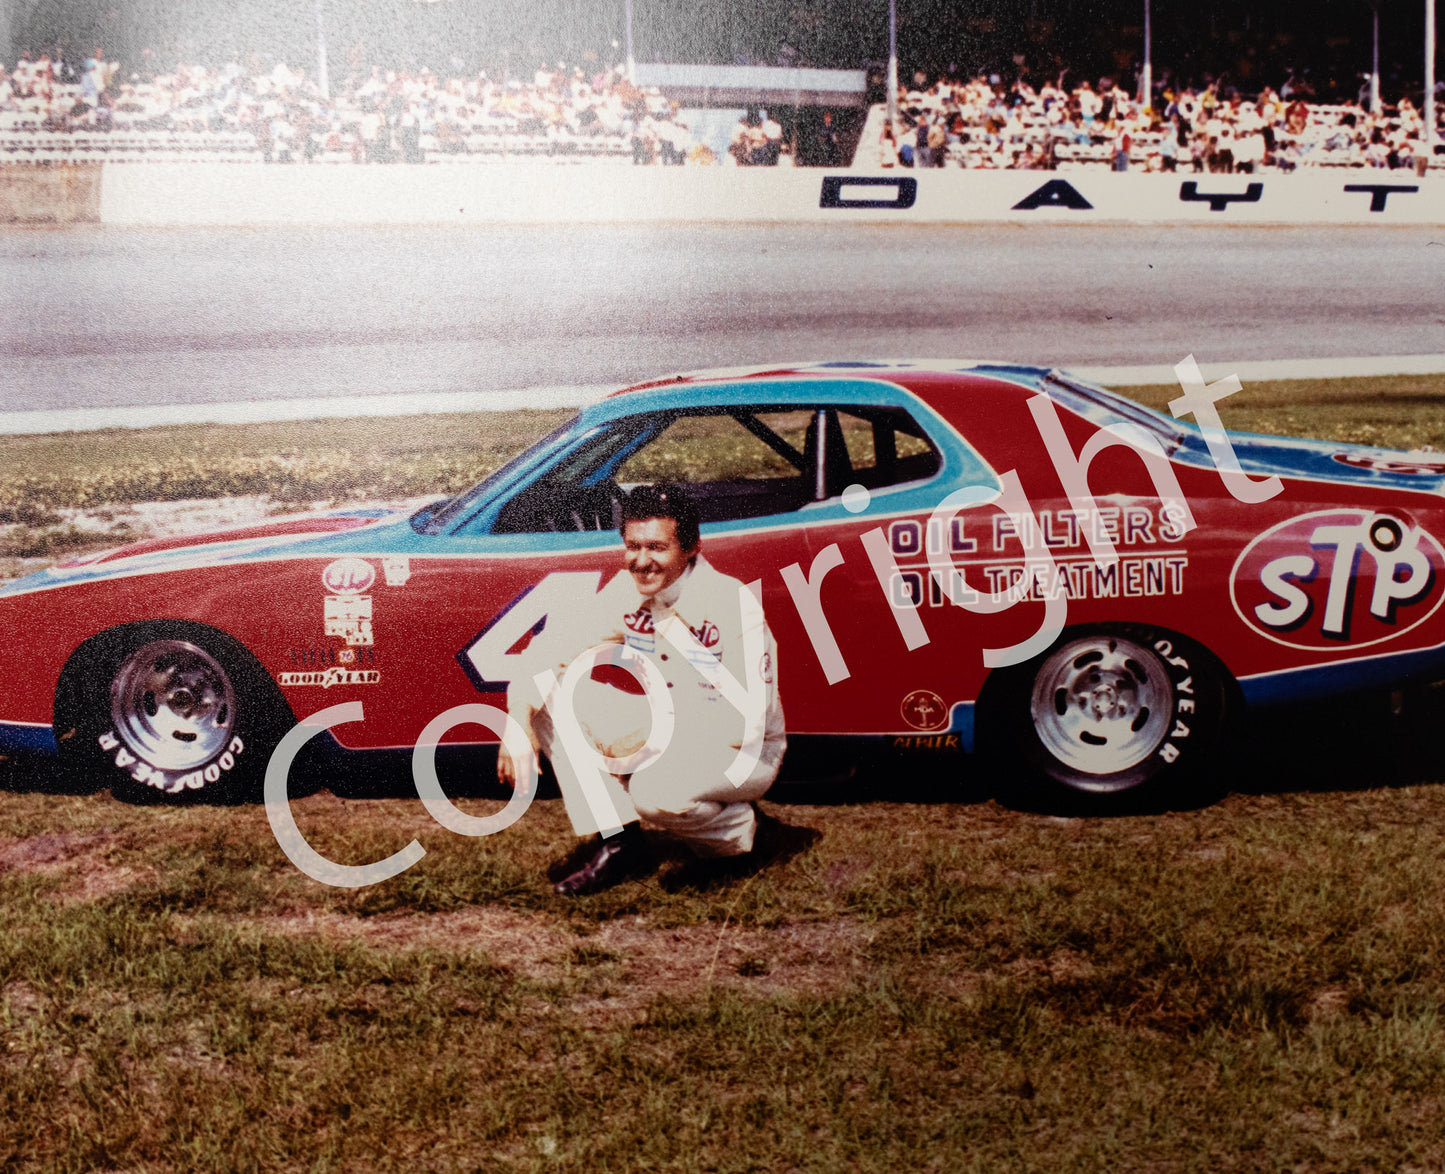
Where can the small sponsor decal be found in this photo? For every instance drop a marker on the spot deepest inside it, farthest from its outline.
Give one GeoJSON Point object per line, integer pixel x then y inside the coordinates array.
{"type": "Point", "coordinates": [923, 709]}
{"type": "Point", "coordinates": [765, 668]}
{"type": "Point", "coordinates": [327, 656]}
{"type": "Point", "coordinates": [995, 556]}
{"type": "Point", "coordinates": [348, 576]}
{"type": "Point", "coordinates": [349, 616]}
{"type": "Point", "coordinates": [328, 677]}
{"type": "Point", "coordinates": [1338, 579]}
{"type": "Point", "coordinates": [396, 569]}
{"type": "Point", "coordinates": [927, 742]}
{"type": "Point", "coordinates": [710, 638]}
{"type": "Point", "coordinates": [1429, 465]}
{"type": "Point", "coordinates": [639, 627]}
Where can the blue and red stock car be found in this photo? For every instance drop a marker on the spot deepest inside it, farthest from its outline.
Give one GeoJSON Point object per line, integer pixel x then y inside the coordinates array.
{"type": "Point", "coordinates": [971, 555]}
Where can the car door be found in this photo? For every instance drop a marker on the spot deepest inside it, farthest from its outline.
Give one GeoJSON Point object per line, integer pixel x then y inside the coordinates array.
{"type": "Point", "coordinates": [502, 574]}
{"type": "Point", "coordinates": [898, 657]}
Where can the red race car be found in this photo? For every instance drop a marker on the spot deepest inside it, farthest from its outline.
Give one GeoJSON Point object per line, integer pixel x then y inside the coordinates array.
{"type": "Point", "coordinates": [950, 555]}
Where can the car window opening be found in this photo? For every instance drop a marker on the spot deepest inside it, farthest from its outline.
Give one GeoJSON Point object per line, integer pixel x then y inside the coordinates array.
{"type": "Point", "coordinates": [739, 463]}
{"type": "Point", "coordinates": [439, 517]}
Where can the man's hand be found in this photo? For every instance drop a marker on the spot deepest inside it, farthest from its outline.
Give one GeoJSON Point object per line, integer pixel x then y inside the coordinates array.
{"type": "Point", "coordinates": [506, 769]}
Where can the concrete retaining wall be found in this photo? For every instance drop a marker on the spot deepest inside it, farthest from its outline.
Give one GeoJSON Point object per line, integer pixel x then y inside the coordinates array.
{"type": "Point", "coordinates": [516, 193]}
{"type": "Point", "coordinates": [63, 193]}
{"type": "Point", "coordinates": [539, 193]}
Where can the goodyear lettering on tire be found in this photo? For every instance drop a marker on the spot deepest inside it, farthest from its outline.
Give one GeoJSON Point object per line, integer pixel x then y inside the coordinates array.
{"type": "Point", "coordinates": [171, 782]}
{"type": "Point", "coordinates": [1183, 699]}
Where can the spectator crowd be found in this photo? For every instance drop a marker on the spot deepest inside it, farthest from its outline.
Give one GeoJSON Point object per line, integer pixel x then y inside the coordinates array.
{"type": "Point", "coordinates": [982, 123]}
{"type": "Point", "coordinates": [383, 116]}
{"type": "Point", "coordinates": [757, 140]}
{"type": "Point", "coordinates": [386, 116]}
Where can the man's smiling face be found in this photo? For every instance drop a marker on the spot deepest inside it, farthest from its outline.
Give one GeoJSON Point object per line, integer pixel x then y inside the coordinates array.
{"type": "Point", "coordinates": [652, 554]}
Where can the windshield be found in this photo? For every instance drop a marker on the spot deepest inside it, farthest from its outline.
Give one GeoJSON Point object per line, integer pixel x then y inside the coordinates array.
{"type": "Point", "coordinates": [435, 518]}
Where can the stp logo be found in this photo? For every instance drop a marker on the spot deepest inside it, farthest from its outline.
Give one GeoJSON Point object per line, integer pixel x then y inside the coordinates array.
{"type": "Point", "coordinates": [1338, 578]}
{"type": "Point", "coordinates": [348, 576]}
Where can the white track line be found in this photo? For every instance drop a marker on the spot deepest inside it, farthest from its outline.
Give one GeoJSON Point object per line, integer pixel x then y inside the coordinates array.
{"type": "Point", "coordinates": [264, 411]}
{"type": "Point", "coordinates": [1262, 370]}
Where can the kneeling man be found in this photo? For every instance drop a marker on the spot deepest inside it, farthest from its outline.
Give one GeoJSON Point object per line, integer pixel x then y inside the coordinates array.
{"type": "Point", "coordinates": [703, 646]}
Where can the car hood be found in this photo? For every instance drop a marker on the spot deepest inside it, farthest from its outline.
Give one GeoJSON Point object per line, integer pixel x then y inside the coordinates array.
{"type": "Point", "coordinates": [291, 534]}
{"type": "Point", "coordinates": [1319, 460]}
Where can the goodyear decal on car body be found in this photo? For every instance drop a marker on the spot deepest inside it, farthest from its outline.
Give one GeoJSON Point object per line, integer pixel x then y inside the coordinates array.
{"type": "Point", "coordinates": [328, 677]}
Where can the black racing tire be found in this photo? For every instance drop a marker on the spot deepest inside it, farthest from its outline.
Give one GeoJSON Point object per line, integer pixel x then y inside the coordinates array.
{"type": "Point", "coordinates": [172, 711]}
{"type": "Point", "coordinates": [1113, 717]}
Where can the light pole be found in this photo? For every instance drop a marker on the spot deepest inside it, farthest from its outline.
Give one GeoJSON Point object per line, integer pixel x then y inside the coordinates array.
{"type": "Point", "coordinates": [1429, 82]}
{"type": "Point", "coordinates": [631, 61]}
{"type": "Point", "coordinates": [322, 73]}
{"type": "Point", "coordinates": [893, 65]}
{"type": "Point", "coordinates": [1375, 61]}
{"type": "Point", "coordinates": [1146, 82]}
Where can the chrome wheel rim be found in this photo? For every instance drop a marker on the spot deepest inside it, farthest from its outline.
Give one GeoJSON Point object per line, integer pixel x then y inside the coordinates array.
{"type": "Point", "coordinates": [1102, 704]}
{"type": "Point", "coordinates": [173, 705]}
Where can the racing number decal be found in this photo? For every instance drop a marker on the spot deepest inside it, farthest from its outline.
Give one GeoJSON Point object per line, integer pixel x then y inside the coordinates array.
{"type": "Point", "coordinates": [1338, 578]}
{"type": "Point", "coordinates": [489, 659]}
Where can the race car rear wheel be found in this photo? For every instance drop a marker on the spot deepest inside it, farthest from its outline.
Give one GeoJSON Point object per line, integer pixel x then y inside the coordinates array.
{"type": "Point", "coordinates": [1108, 716]}
{"type": "Point", "coordinates": [178, 710]}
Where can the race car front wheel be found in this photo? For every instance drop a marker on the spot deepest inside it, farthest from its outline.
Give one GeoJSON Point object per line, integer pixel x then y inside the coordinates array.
{"type": "Point", "coordinates": [1108, 716]}
{"type": "Point", "coordinates": [177, 710]}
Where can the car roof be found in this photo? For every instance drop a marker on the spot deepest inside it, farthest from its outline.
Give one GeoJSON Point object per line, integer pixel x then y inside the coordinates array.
{"type": "Point", "coordinates": [885, 369]}
{"type": "Point", "coordinates": [943, 385]}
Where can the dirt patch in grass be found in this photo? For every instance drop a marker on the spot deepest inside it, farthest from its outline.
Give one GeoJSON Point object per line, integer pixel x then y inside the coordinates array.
{"type": "Point", "coordinates": [618, 969]}
{"type": "Point", "coordinates": [78, 859]}
{"type": "Point", "coordinates": [20, 1001]}
{"type": "Point", "coordinates": [35, 853]}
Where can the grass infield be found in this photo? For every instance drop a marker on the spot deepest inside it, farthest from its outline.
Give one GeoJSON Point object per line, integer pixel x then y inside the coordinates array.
{"type": "Point", "coordinates": [939, 983]}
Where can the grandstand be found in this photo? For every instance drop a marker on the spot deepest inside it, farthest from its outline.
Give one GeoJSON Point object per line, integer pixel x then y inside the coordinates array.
{"type": "Point", "coordinates": [229, 116]}
{"type": "Point", "coordinates": [563, 115]}
{"type": "Point", "coordinates": [983, 124]}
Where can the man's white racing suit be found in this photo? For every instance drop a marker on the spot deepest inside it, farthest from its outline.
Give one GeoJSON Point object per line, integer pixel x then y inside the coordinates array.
{"type": "Point", "coordinates": [685, 786]}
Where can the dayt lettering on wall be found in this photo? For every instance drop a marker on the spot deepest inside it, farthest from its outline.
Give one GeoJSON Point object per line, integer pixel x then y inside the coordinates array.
{"type": "Point", "coordinates": [901, 193]}
{"type": "Point", "coordinates": [894, 192]}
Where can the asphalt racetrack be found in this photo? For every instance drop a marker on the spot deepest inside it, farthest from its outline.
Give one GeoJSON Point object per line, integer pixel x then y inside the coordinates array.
{"type": "Point", "coordinates": [108, 317]}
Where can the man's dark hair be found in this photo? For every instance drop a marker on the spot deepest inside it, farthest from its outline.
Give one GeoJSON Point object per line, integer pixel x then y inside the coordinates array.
{"type": "Point", "coordinates": [663, 501]}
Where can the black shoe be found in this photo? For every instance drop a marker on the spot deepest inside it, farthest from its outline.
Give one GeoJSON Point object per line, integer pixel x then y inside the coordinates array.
{"type": "Point", "coordinates": [579, 854]}
{"type": "Point", "coordinates": [620, 858]}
